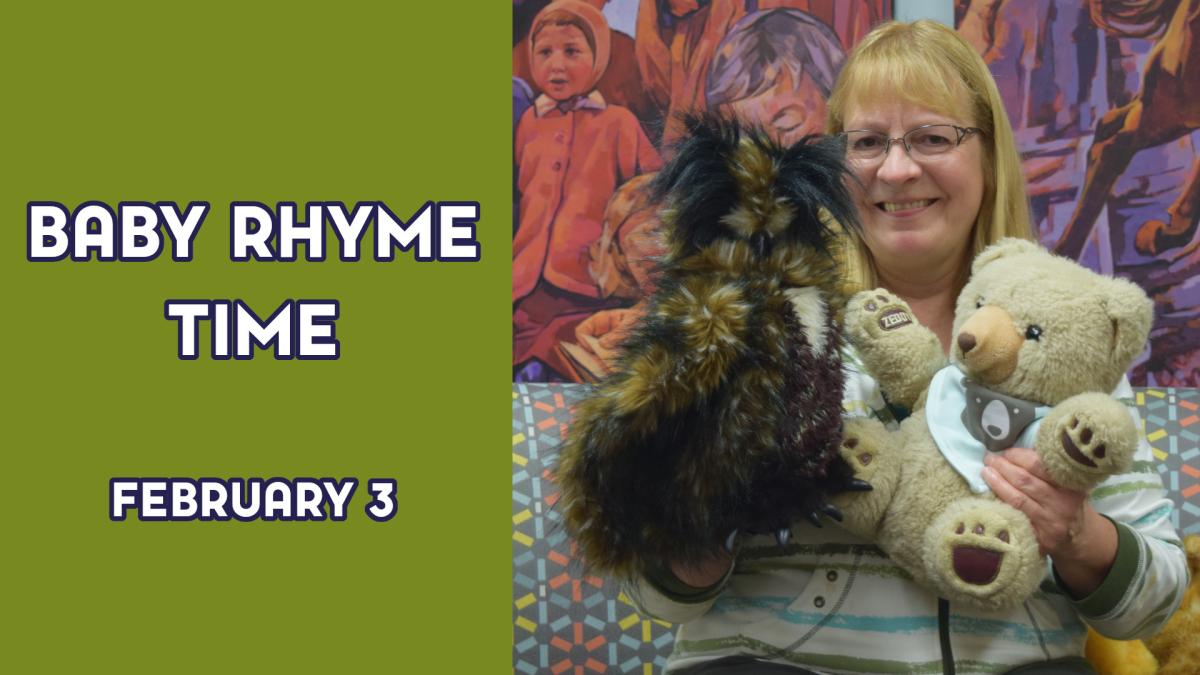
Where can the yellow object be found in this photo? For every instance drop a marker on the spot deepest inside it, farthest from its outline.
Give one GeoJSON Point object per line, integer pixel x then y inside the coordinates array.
{"type": "Point", "coordinates": [1175, 650]}
{"type": "Point", "coordinates": [1119, 657]}
{"type": "Point", "coordinates": [1177, 645]}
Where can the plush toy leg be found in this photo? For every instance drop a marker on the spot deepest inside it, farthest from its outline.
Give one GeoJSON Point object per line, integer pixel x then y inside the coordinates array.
{"type": "Point", "coordinates": [873, 453]}
{"type": "Point", "coordinates": [1118, 657]}
{"type": "Point", "coordinates": [984, 553]}
{"type": "Point", "coordinates": [1085, 439]}
{"type": "Point", "coordinates": [901, 353]}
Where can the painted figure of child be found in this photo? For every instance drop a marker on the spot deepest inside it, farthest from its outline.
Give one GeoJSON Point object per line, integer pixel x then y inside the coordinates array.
{"type": "Point", "coordinates": [572, 151]}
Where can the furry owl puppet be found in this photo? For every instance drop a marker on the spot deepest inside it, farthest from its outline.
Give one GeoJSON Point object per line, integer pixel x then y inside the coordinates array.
{"type": "Point", "coordinates": [724, 413]}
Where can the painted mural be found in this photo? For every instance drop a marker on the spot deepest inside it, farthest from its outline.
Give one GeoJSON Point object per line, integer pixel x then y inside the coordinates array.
{"type": "Point", "coordinates": [597, 87]}
{"type": "Point", "coordinates": [1096, 91]}
{"type": "Point", "coordinates": [1104, 96]}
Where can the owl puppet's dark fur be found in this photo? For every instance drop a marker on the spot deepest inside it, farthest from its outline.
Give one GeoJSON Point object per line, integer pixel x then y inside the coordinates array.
{"type": "Point", "coordinates": [724, 413]}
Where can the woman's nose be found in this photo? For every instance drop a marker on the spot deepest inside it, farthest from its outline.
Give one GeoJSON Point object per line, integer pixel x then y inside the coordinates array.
{"type": "Point", "coordinates": [898, 166]}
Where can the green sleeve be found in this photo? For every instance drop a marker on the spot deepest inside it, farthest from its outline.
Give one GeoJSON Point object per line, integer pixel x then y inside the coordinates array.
{"type": "Point", "coordinates": [1105, 598]}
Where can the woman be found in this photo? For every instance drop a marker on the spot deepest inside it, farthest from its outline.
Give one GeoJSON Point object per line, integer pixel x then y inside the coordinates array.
{"type": "Point", "coordinates": [833, 603]}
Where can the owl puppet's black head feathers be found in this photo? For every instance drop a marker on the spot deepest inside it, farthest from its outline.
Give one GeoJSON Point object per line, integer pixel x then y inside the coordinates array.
{"type": "Point", "coordinates": [730, 183]}
{"type": "Point", "coordinates": [724, 412]}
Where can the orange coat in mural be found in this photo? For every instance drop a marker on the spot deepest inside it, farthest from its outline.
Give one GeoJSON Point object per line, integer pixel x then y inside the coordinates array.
{"type": "Point", "coordinates": [572, 150]}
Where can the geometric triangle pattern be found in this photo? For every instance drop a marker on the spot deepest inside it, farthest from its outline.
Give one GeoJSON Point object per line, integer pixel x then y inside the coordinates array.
{"type": "Point", "coordinates": [1171, 418]}
{"type": "Point", "coordinates": [565, 621]}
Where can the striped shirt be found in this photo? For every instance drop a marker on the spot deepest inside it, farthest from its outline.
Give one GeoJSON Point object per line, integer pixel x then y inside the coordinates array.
{"type": "Point", "coordinates": [833, 603]}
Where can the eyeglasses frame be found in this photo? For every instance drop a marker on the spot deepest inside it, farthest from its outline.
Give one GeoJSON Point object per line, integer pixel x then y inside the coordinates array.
{"type": "Point", "coordinates": [963, 133]}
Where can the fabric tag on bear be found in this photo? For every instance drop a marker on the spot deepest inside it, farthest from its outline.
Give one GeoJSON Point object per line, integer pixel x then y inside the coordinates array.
{"type": "Point", "coordinates": [967, 420]}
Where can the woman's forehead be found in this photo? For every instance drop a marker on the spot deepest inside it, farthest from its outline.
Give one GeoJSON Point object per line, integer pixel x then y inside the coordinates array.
{"type": "Point", "coordinates": [881, 105]}
{"type": "Point", "coordinates": [876, 83]}
{"type": "Point", "coordinates": [881, 112]}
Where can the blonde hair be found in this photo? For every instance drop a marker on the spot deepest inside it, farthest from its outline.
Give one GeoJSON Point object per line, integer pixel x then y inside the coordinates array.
{"type": "Point", "coordinates": [926, 64]}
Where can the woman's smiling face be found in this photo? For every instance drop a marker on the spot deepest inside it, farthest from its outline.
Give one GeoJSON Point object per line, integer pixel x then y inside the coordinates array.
{"type": "Point", "coordinates": [925, 208]}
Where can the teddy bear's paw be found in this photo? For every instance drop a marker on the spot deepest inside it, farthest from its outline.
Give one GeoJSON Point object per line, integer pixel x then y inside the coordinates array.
{"type": "Point", "coordinates": [983, 552]}
{"type": "Point", "coordinates": [863, 439]}
{"type": "Point", "coordinates": [871, 315]}
{"type": "Point", "coordinates": [860, 456]}
{"type": "Point", "coordinates": [873, 455]}
{"type": "Point", "coordinates": [1088, 440]}
{"type": "Point", "coordinates": [900, 353]}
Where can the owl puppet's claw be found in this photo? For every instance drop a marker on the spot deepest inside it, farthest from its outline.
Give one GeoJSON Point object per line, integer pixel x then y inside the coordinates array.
{"type": "Point", "coordinates": [729, 541]}
{"type": "Point", "coordinates": [832, 511]}
{"type": "Point", "coordinates": [782, 535]}
{"type": "Point", "coordinates": [857, 485]}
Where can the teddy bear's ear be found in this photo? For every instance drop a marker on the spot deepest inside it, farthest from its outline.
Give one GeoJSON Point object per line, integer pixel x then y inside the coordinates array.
{"type": "Point", "coordinates": [1005, 247]}
{"type": "Point", "coordinates": [1131, 314]}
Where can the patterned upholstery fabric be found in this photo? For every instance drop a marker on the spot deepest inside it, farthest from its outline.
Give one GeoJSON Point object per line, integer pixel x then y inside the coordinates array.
{"type": "Point", "coordinates": [568, 622]}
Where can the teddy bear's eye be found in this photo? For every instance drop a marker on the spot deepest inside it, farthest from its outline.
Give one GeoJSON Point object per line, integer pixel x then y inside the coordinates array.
{"type": "Point", "coordinates": [1033, 332]}
{"type": "Point", "coordinates": [978, 302]}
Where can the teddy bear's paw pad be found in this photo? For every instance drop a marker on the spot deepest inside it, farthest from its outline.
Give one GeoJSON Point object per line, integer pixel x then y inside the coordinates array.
{"type": "Point", "coordinates": [1082, 445]}
{"type": "Point", "coordinates": [879, 312]}
{"type": "Point", "coordinates": [859, 457]}
{"type": "Point", "coordinates": [978, 565]}
{"type": "Point", "coordinates": [982, 552]}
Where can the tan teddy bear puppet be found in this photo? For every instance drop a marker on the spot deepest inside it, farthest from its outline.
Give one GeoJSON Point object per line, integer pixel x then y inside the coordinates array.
{"type": "Point", "coordinates": [1039, 342]}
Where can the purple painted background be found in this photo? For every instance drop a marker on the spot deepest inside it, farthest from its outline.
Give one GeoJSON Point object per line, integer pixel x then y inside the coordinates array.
{"type": "Point", "coordinates": [1104, 97]}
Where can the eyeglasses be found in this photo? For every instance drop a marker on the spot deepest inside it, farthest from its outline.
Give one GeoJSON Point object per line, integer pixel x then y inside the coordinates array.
{"type": "Point", "coordinates": [924, 142]}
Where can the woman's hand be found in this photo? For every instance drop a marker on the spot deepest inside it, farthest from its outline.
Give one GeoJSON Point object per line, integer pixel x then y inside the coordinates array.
{"type": "Point", "coordinates": [1081, 542]}
{"type": "Point", "coordinates": [703, 573]}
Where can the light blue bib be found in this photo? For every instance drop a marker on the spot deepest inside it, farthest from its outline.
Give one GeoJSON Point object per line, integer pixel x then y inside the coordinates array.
{"type": "Point", "coordinates": [967, 421]}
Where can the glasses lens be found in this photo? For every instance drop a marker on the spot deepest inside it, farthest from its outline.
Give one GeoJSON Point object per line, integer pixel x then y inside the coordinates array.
{"type": "Point", "coordinates": [934, 139]}
{"type": "Point", "coordinates": [862, 145]}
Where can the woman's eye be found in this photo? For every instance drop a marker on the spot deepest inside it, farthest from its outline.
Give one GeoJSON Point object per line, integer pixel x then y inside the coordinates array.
{"type": "Point", "coordinates": [931, 140]}
{"type": "Point", "coordinates": [1034, 332]}
{"type": "Point", "coordinates": [867, 142]}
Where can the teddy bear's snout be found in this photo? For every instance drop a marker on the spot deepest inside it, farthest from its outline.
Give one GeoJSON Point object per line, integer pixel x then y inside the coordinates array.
{"type": "Point", "coordinates": [988, 345]}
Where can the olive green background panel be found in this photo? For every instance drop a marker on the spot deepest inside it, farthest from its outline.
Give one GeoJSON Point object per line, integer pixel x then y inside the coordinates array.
{"type": "Point", "coordinates": [220, 102]}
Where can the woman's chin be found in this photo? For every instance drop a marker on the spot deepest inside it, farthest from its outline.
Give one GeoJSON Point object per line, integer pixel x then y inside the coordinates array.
{"type": "Point", "coordinates": [908, 243]}
{"type": "Point", "coordinates": [917, 254]}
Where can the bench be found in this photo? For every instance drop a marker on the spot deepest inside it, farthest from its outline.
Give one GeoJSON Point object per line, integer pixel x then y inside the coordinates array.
{"type": "Point", "coordinates": [568, 622]}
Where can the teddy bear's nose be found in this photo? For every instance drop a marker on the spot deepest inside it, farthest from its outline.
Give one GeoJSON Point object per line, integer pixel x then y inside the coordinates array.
{"type": "Point", "coordinates": [966, 342]}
